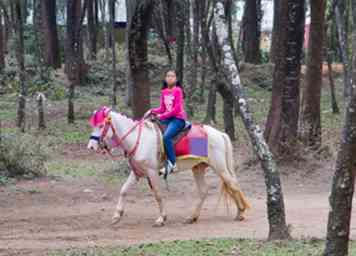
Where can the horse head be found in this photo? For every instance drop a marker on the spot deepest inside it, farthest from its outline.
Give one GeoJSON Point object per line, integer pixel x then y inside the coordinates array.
{"type": "Point", "coordinates": [102, 132]}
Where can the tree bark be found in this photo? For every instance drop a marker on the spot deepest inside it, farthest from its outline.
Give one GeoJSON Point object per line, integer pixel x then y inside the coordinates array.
{"type": "Point", "coordinates": [7, 26]}
{"type": "Point", "coordinates": [16, 10]}
{"type": "Point", "coordinates": [74, 59]}
{"type": "Point", "coordinates": [163, 17]}
{"type": "Point", "coordinates": [2, 44]}
{"type": "Point", "coordinates": [310, 115]}
{"type": "Point", "coordinates": [42, 68]}
{"type": "Point", "coordinates": [342, 37]}
{"type": "Point", "coordinates": [328, 54]}
{"type": "Point", "coordinates": [275, 31]}
{"type": "Point", "coordinates": [338, 231]}
{"type": "Point", "coordinates": [92, 28]}
{"type": "Point", "coordinates": [334, 105]}
{"type": "Point", "coordinates": [102, 4]}
{"type": "Point", "coordinates": [282, 122]}
{"type": "Point", "coordinates": [180, 5]}
{"type": "Point", "coordinates": [204, 72]}
{"type": "Point", "coordinates": [113, 49]}
{"type": "Point", "coordinates": [228, 109]}
{"type": "Point", "coordinates": [251, 27]}
{"type": "Point", "coordinates": [210, 117]}
{"type": "Point", "coordinates": [275, 202]}
{"type": "Point", "coordinates": [49, 26]}
{"type": "Point", "coordinates": [139, 14]}
{"type": "Point", "coordinates": [193, 74]}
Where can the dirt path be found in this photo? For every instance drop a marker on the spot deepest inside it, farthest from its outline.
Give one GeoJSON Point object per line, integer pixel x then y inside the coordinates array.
{"type": "Point", "coordinates": [56, 214]}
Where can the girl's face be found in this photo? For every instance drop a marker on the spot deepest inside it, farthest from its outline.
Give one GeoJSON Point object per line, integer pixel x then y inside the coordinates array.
{"type": "Point", "coordinates": [171, 78]}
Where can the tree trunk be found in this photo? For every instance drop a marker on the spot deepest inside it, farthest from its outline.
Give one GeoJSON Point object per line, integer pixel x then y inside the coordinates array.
{"type": "Point", "coordinates": [275, 202]}
{"type": "Point", "coordinates": [39, 39]}
{"type": "Point", "coordinates": [204, 72]}
{"type": "Point", "coordinates": [172, 10]}
{"type": "Point", "coordinates": [193, 74]}
{"type": "Point", "coordinates": [337, 238]}
{"type": "Point", "coordinates": [73, 51]}
{"type": "Point", "coordinates": [105, 28]}
{"type": "Point", "coordinates": [180, 5]}
{"type": "Point", "coordinates": [160, 25]}
{"type": "Point", "coordinates": [334, 105]}
{"type": "Point", "coordinates": [113, 48]}
{"type": "Point", "coordinates": [275, 31]}
{"type": "Point", "coordinates": [328, 55]}
{"type": "Point", "coordinates": [139, 14]}
{"type": "Point", "coordinates": [282, 122]}
{"type": "Point", "coordinates": [92, 28]}
{"type": "Point", "coordinates": [310, 116]}
{"type": "Point", "coordinates": [164, 20]}
{"type": "Point", "coordinates": [342, 37]}
{"type": "Point", "coordinates": [16, 10]}
{"type": "Point", "coordinates": [210, 117]}
{"type": "Point", "coordinates": [7, 26]}
{"type": "Point", "coordinates": [2, 45]}
{"type": "Point", "coordinates": [49, 25]}
{"type": "Point", "coordinates": [228, 109]}
{"type": "Point", "coordinates": [251, 26]}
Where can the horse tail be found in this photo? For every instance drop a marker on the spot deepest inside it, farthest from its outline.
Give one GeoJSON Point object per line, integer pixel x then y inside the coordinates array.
{"type": "Point", "coordinates": [229, 155]}
{"type": "Point", "coordinates": [229, 188]}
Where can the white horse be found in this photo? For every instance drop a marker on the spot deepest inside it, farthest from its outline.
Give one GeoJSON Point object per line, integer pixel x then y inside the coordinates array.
{"type": "Point", "coordinates": [141, 142]}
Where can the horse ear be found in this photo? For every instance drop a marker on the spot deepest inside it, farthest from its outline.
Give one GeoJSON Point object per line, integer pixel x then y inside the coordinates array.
{"type": "Point", "coordinates": [106, 110]}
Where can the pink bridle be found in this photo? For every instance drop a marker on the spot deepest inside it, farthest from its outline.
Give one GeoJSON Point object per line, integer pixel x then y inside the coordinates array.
{"type": "Point", "coordinates": [118, 142]}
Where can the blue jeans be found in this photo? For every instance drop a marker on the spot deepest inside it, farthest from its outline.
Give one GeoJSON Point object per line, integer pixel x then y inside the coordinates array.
{"type": "Point", "coordinates": [174, 126]}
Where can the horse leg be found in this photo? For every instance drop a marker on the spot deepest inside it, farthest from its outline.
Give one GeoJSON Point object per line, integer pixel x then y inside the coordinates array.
{"type": "Point", "coordinates": [119, 212]}
{"type": "Point", "coordinates": [199, 177]}
{"type": "Point", "coordinates": [154, 180]}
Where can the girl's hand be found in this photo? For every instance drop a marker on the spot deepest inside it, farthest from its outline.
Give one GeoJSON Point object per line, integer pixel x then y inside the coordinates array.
{"type": "Point", "coordinates": [147, 114]}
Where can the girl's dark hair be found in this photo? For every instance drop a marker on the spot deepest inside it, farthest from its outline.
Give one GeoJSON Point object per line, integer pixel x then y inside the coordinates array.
{"type": "Point", "coordinates": [178, 83]}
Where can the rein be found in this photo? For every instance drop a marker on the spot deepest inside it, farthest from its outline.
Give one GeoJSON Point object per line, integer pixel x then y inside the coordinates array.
{"type": "Point", "coordinates": [118, 141]}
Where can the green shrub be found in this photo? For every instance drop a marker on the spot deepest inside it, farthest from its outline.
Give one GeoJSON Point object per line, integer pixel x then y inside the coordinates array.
{"type": "Point", "coordinates": [21, 155]}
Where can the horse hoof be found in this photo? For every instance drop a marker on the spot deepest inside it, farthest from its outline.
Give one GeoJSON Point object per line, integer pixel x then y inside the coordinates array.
{"type": "Point", "coordinates": [190, 220]}
{"type": "Point", "coordinates": [116, 218]}
{"type": "Point", "coordinates": [158, 224]}
{"type": "Point", "coordinates": [115, 221]}
{"type": "Point", "coordinates": [239, 218]}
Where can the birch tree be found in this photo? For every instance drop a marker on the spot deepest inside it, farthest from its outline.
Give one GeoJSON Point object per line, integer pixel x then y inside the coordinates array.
{"type": "Point", "coordinates": [275, 202]}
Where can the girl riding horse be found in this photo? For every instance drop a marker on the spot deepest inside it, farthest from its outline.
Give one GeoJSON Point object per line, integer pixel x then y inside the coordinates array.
{"type": "Point", "coordinates": [171, 114]}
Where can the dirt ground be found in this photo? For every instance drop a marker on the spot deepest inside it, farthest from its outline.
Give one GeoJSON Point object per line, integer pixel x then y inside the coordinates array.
{"type": "Point", "coordinates": [60, 213]}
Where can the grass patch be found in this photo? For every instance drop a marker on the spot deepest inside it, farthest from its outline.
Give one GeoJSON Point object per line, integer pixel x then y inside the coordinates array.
{"type": "Point", "coordinates": [71, 168]}
{"type": "Point", "coordinates": [214, 247]}
{"type": "Point", "coordinates": [7, 108]}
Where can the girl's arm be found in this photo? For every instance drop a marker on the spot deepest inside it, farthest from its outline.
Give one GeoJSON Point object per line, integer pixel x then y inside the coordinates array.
{"type": "Point", "coordinates": [162, 108]}
{"type": "Point", "coordinates": [177, 106]}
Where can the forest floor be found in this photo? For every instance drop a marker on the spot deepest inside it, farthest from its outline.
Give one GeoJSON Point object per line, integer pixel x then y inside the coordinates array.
{"type": "Point", "coordinates": [75, 212]}
{"type": "Point", "coordinates": [72, 206]}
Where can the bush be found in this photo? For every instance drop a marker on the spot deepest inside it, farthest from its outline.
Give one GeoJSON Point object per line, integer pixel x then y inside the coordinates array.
{"type": "Point", "coordinates": [21, 155]}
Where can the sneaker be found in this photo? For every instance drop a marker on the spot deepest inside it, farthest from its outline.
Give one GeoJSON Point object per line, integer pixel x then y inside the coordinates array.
{"type": "Point", "coordinates": [169, 168]}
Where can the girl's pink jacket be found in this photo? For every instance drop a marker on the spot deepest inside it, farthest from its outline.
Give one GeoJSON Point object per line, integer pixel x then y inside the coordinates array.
{"type": "Point", "coordinates": [171, 104]}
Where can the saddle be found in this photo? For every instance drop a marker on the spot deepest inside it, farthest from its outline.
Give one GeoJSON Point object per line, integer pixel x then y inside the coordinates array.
{"type": "Point", "coordinates": [191, 142]}
{"type": "Point", "coordinates": [180, 135]}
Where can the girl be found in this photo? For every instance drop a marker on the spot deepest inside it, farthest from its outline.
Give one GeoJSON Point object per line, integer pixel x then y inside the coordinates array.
{"type": "Point", "coordinates": [171, 113]}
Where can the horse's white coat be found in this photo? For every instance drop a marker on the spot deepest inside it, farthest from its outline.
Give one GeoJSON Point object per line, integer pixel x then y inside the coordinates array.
{"type": "Point", "coordinates": [220, 159]}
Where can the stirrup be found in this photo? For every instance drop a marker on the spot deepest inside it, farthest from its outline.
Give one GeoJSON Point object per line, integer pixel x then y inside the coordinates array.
{"type": "Point", "coordinates": [169, 168]}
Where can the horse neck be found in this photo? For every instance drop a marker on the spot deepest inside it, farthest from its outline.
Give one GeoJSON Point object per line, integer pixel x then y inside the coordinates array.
{"type": "Point", "coordinates": [122, 125]}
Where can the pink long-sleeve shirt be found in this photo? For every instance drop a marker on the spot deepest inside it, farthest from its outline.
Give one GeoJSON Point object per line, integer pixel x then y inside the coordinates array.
{"type": "Point", "coordinates": [171, 104]}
